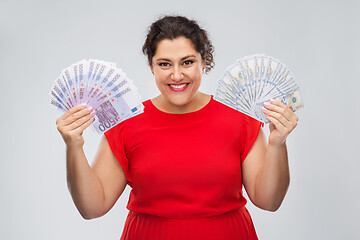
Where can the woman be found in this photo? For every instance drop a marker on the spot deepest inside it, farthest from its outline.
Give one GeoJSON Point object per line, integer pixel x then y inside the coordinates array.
{"type": "Point", "coordinates": [186, 157]}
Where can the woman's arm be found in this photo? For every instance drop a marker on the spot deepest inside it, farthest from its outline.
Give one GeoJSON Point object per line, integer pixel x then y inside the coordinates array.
{"type": "Point", "coordinates": [265, 170]}
{"type": "Point", "coordinates": [94, 189]}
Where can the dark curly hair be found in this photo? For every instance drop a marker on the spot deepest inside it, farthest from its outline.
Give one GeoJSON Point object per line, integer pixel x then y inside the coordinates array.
{"type": "Point", "coordinates": [172, 27]}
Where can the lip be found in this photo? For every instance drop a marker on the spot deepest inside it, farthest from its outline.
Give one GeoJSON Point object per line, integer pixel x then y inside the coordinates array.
{"type": "Point", "coordinates": [178, 89]}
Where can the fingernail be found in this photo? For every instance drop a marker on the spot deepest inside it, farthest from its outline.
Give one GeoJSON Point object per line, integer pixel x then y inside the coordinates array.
{"type": "Point", "coordinates": [93, 112]}
{"type": "Point", "coordinates": [83, 104]}
{"type": "Point", "coordinates": [272, 100]}
{"type": "Point", "coordinates": [89, 109]}
{"type": "Point", "coordinates": [267, 104]}
{"type": "Point", "coordinates": [263, 109]}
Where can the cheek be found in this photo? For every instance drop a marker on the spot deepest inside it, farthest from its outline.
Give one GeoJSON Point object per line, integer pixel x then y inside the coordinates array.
{"type": "Point", "coordinates": [160, 78]}
{"type": "Point", "coordinates": [158, 75]}
{"type": "Point", "coordinates": [196, 75]}
{"type": "Point", "coordinates": [157, 80]}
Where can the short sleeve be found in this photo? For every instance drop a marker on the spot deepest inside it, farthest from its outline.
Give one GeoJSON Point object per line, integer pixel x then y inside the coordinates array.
{"type": "Point", "coordinates": [250, 132]}
{"type": "Point", "coordinates": [115, 137]}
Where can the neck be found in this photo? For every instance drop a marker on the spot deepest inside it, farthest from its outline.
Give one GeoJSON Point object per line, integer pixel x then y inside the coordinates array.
{"type": "Point", "coordinates": [199, 101]}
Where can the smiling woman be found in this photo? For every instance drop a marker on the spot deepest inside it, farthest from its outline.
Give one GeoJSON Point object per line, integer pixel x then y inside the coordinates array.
{"type": "Point", "coordinates": [178, 51]}
{"type": "Point", "coordinates": [178, 68]}
{"type": "Point", "coordinates": [186, 157]}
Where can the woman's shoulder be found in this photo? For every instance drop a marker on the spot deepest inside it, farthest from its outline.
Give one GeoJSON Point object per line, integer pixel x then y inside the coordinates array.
{"type": "Point", "coordinates": [224, 109]}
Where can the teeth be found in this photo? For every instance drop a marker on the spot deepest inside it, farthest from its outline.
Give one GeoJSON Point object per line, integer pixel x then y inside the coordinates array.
{"type": "Point", "coordinates": [178, 86]}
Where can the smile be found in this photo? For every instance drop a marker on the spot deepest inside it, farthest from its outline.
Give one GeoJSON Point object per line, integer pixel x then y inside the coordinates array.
{"type": "Point", "coordinates": [178, 87]}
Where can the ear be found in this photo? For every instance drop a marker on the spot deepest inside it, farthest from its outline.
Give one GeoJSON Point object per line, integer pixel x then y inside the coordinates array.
{"type": "Point", "coordinates": [151, 65]}
{"type": "Point", "coordinates": [203, 66]}
{"type": "Point", "coordinates": [204, 63]}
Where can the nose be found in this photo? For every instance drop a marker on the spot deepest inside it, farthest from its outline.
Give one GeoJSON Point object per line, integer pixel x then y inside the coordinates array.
{"type": "Point", "coordinates": [177, 75]}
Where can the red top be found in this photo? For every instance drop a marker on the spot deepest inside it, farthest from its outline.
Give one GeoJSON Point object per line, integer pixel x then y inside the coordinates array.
{"type": "Point", "coordinates": [184, 165]}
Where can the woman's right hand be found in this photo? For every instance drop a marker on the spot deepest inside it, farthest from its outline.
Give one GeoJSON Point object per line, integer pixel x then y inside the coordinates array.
{"type": "Point", "coordinates": [72, 124]}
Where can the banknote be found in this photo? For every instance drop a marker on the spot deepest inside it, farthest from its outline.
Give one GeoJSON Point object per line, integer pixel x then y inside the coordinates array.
{"type": "Point", "coordinates": [101, 85]}
{"type": "Point", "coordinates": [255, 79]}
{"type": "Point", "coordinates": [121, 106]}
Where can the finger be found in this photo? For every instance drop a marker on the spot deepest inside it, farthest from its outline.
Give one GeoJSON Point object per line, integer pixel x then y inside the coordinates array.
{"type": "Point", "coordinates": [271, 127]}
{"type": "Point", "coordinates": [86, 124]}
{"type": "Point", "coordinates": [276, 115]}
{"type": "Point", "coordinates": [278, 125]}
{"type": "Point", "coordinates": [71, 111]}
{"type": "Point", "coordinates": [77, 115]}
{"type": "Point", "coordinates": [294, 118]}
{"type": "Point", "coordinates": [281, 109]}
{"type": "Point", "coordinates": [289, 113]}
{"type": "Point", "coordinates": [286, 126]}
{"type": "Point", "coordinates": [79, 122]}
{"type": "Point", "coordinates": [289, 110]}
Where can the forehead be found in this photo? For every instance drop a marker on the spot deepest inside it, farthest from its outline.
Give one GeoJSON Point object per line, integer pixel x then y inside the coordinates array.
{"type": "Point", "coordinates": [175, 48]}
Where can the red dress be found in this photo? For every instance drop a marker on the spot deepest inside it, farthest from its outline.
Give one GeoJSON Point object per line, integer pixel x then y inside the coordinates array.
{"type": "Point", "coordinates": [185, 173]}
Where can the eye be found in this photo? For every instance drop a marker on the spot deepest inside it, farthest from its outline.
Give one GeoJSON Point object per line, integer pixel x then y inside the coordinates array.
{"type": "Point", "coordinates": [188, 62]}
{"type": "Point", "coordinates": [164, 64]}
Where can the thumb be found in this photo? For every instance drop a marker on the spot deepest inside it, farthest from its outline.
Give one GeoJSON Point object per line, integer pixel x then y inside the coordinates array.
{"type": "Point", "coordinates": [272, 127]}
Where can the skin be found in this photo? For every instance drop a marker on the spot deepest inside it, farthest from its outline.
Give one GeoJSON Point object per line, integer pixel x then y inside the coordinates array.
{"type": "Point", "coordinates": [265, 170]}
{"type": "Point", "coordinates": [96, 188]}
{"type": "Point", "coordinates": [177, 62]}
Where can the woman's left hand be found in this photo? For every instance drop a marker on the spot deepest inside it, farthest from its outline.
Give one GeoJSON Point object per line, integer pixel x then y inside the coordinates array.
{"type": "Point", "coordinates": [283, 121]}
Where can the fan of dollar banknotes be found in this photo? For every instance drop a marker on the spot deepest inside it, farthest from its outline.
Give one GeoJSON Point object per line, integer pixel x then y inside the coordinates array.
{"type": "Point", "coordinates": [255, 79]}
{"type": "Point", "coordinates": [100, 85]}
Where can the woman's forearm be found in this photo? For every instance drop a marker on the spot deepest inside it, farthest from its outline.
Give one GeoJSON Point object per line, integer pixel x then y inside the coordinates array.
{"type": "Point", "coordinates": [273, 180]}
{"type": "Point", "coordinates": [84, 186]}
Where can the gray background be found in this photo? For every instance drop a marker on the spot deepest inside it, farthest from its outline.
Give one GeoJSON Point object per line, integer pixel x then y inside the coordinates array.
{"type": "Point", "coordinates": [318, 40]}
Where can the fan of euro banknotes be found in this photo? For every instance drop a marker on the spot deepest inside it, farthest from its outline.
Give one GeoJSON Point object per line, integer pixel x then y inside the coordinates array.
{"type": "Point", "coordinates": [255, 79]}
{"type": "Point", "coordinates": [101, 85]}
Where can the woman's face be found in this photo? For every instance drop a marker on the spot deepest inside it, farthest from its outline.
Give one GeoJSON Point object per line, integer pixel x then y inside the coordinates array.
{"type": "Point", "coordinates": [177, 68]}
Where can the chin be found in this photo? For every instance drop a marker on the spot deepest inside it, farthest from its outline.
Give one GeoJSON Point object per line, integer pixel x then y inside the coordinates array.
{"type": "Point", "coordinates": [179, 100]}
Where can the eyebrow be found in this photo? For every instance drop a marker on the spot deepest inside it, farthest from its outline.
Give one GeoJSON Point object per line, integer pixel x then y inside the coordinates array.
{"type": "Point", "coordinates": [168, 60]}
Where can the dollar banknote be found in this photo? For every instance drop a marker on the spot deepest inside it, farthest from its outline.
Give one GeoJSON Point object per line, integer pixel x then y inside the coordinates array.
{"type": "Point", "coordinates": [256, 79]}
